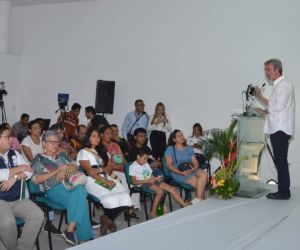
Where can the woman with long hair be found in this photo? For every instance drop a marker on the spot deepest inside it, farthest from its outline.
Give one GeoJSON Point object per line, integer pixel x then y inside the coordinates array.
{"type": "Point", "coordinates": [159, 126]}
{"type": "Point", "coordinates": [111, 193]}
{"type": "Point", "coordinates": [178, 154]}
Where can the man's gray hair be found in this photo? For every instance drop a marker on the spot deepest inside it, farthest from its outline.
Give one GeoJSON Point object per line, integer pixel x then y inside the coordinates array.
{"type": "Point", "coordinates": [276, 64]}
{"type": "Point", "coordinates": [47, 134]}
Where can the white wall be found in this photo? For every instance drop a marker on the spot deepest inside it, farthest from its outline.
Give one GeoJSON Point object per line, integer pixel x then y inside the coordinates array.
{"type": "Point", "coordinates": [9, 73]}
{"type": "Point", "coordinates": [195, 56]}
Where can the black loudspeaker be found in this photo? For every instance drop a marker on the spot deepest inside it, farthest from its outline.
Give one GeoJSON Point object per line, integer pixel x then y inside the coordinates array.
{"type": "Point", "coordinates": [105, 95]}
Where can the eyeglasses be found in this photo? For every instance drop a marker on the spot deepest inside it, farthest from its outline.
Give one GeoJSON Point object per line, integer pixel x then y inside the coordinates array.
{"type": "Point", "coordinates": [53, 142]}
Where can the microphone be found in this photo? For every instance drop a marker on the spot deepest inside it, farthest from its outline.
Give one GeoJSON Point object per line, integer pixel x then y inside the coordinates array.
{"type": "Point", "coordinates": [247, 92]}
{"type": "Point", "coordinates": [254, 98]}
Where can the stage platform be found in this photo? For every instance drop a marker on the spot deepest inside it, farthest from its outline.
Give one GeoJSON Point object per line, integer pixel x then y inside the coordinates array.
{"type": "Point", "coordinates": [239, 223]}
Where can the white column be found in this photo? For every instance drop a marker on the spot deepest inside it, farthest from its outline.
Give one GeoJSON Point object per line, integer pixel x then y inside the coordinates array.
{"type": "Point", "coordinates": [4, 24]}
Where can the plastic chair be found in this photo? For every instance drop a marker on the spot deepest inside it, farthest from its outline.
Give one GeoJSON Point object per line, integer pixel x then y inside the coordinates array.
{"type": "Point", "coordinates": [20, 223]}
{"type": "Point", "coordinates": [39, 197]}
{"type": "Point", "coordinates": [145, 192]}
{"type": "Point", "coordinates": [181, 185]}
{"type": "Point", "coordinates": [94, 200]}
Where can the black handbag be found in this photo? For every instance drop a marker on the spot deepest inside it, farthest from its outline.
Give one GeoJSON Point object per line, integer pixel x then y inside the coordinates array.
{"type": "Point", "coordinates": [184, 166]}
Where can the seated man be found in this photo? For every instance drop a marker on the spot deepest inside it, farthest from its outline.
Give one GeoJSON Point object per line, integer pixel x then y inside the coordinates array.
{"type": "Point", "coordinates": [12, 170]}
{"type": "Point", "coordinates": [77, 141]}
{"type": "Point", "coordinates": [70, 119]}
{"type": "Point", "coordinates": [96, 121]}
{"type": "Point", "coordinates": [20, 128]}
{"type": "Point", "coordinates": [140, 142]}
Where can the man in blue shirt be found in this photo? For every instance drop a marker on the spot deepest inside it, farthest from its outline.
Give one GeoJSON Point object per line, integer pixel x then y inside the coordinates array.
{"type": "Point", "coordinates": [135, 119]}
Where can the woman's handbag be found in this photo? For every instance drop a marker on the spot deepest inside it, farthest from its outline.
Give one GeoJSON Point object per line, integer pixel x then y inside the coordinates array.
{"type": "Point", "coordinates": [184, 166]}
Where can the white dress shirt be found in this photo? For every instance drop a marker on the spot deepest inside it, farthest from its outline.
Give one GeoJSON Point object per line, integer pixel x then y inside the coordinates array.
{"type": "Point", "coordinates": [17, 160]}
{"type": "Point", "coordinates": [281, 108]}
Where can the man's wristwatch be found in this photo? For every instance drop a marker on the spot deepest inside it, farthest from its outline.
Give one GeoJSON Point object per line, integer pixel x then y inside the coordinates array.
{"type": "Point", "coordinates": [16, 177]}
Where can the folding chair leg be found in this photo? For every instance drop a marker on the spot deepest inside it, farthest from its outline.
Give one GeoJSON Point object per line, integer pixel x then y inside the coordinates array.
{"type": "Point", "coordinates": [128, 219]}
{"type": "Point", "coordinates": [145, 206]}
{"type": "Point", "coordinates": [90, 210]}
{"type": "Point", "coordinates": [60, 220]}
{"type": "Point", "coordinates": [94, 213]}
{"type": "Point", "coordinates": [180, 190]}
{"type": "Point", "coordinates": [65, 214]}
{"type": "Point", "coordinates": [170, 202]}
{"type": "Point", "coordinates": [37, 243]}
{"type": "Point", "coordinates": [49, 230]}
{"type": "Point", "coordinates": [188, 195]}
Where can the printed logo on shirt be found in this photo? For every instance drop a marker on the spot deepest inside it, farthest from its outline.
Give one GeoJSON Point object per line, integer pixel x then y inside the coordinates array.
{"type": "Point", "coordinates": [146, 173]}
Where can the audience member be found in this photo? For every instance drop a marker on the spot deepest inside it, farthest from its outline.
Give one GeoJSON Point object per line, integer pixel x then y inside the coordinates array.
{"type": "Point", "coordinates": [50, 170]}
{"type": "Point", "coordinates": [141, 175]}
{"type": "Point", "coordinates": [135, 119]}
{"type": "Point", "coordinates": [96, 121]}
{"type": "Point", "coordinates": [197, 142]}
{"type": "Point", "coordinates": [159, 126]}
{"type": "Point", "coordinates": [140, 142]}
{"type": "Point", "coordinates": [13, 169]}
{"type": "Point", "coordinates": [14, 142]}
{"type": "Point", "coordinates": [70, 120]}
{"type": "Point", "coordinates": [76, 141]}
{"type": "Point", "coordinates": [124, 145]}
{"type": "Point", "coordinates": [64, 146]}
{"type": "Point", "coordinates": [32, 144]}
{"type": "Point", "coordinates": [118, 160]}
{"type": "Point", "coordinates": [177, 156]}
{"type": "Point", "coordinates": [20, 128]}
{"type": "Point", "coordinates": [100, 184]}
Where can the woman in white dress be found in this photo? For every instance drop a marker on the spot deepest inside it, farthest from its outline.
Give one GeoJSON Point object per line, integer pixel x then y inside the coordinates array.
{"type": "Point", "coordinates": [32, 144]}
{"type": "Point", "coordinates": [100, 184]}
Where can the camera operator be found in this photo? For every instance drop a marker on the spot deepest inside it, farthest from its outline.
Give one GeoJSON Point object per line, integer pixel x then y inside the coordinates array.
{"type": "Point", "coordinates": [70, 120]}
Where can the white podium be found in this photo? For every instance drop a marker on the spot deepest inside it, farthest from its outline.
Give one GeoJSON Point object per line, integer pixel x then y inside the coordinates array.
{"type": "Point", "coordinates": [251, 142]}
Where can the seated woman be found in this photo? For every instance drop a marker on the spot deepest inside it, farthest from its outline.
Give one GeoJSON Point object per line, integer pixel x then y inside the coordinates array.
{"type": "Point", "coordinates": [176, 154]}
{"type": "Point", "coordinates": [32, 144]}
{"type": "Point", "coordinates": [124, 145]}
{"type": "Point", "coordinates": [64, 146]}
{"type": "Point", "coordinates": [196, 141]}
{"type": "Point", "coordinates": [118, 160]}
{"type": "Point", "coordinates": [109, 191]}
{"type": "Point", "coordinates": [50, 169]}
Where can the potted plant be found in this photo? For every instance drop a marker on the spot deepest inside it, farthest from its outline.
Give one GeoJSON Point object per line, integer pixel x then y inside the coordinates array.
{"type": "Point", "coordinates": [223, 145]}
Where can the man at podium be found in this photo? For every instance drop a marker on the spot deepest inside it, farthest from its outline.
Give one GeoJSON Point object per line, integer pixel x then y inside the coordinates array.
{"type": "Point", "coordinates": [280, 122]}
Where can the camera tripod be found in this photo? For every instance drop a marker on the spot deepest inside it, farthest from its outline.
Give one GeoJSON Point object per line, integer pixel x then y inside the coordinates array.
{"type": "Point", "coordinates": [3, 112]}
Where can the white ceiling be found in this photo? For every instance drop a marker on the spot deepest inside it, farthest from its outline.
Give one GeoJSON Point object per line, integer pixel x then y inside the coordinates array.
{"type": "Point", "coordinates": [30, 2]}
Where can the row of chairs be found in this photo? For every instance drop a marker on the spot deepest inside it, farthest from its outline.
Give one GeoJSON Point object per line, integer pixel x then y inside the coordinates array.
{"type": "Point", "coordinates": [39, 197]}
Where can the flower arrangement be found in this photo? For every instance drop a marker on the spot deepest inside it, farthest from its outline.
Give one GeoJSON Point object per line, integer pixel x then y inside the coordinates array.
{"type": "Point", "coordinates": [223, 145]}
